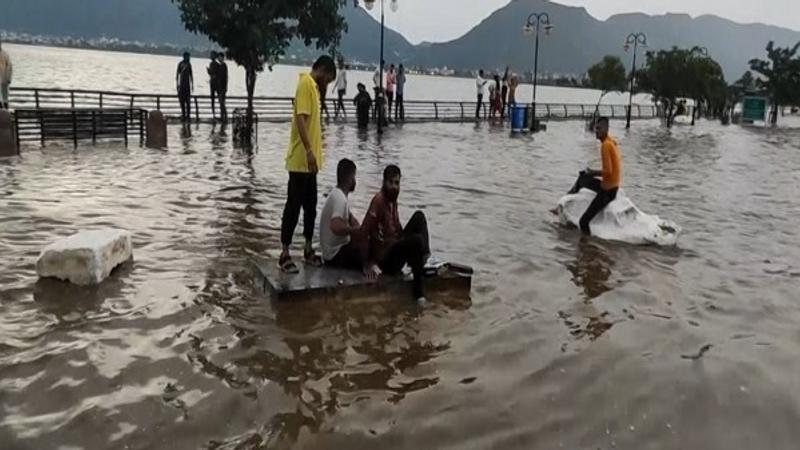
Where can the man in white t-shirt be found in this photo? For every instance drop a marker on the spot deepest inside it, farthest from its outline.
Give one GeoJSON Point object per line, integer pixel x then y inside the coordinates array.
{"type": "Point", "coordinates": [343, 243]}
{"type": "Point", "coordinates": [341, 90]}
{"type": "Point", "coordinates": [480, 84]}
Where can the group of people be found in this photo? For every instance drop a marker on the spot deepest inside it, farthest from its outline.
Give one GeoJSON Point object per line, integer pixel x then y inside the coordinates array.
{"type": "Point", "coordinates": [502, 93]}
{"type": "Point", "coordinates": [6, 71]}
{"type": "Point", "coordinates": [218, 80]}
{"type": "Point", "coordinates": [378, 244]}
{"type": "Point", "coordinates": [389, 99]}
{"type": "Point", "coordinates": [394, 86]}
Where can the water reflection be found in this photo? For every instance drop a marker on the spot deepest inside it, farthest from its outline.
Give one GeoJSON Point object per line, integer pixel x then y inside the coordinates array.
{"type": "Point", "coordinates": [591, 268]}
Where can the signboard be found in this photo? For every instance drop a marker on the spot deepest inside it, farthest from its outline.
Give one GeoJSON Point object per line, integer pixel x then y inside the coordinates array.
{"type": "Point", "coordinates": [754, 109]}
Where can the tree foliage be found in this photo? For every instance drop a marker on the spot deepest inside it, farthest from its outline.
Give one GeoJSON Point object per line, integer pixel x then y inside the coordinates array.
{"type": "Point", "coordinates": [256, 33]}
{"type": "Point", "coordinates": [607, 75]}
{"type": "Point", "coordinates": [670, 75]}
{"type": "Point", "coordinates": [779, 76]}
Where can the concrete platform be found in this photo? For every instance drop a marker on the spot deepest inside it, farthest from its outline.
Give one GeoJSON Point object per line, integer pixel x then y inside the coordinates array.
{"type": "Point", "coordinates": [324, 282]}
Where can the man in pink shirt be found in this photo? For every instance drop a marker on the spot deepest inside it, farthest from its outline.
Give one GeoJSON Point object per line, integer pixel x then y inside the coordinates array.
{"type": "Point", "coordinates": [391, 81]}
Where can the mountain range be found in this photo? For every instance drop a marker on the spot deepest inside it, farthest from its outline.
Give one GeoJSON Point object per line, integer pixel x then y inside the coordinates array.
{"type": "Point", "coordinates": [577, 41]}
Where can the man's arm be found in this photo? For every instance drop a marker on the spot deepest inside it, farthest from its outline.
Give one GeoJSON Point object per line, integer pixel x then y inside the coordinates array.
{"type": "Point", "coordinates": [191, 78]}
{"type": "Point", "coordinates": [302, 130]}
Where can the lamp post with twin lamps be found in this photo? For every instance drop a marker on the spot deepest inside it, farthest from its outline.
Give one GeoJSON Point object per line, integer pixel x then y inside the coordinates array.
{"type": "Point", "coordinates": [635, 40]}
{"type": "Point", "coordinates": [534, 23]}
{"type": "Point", "coordinates": [370, 4]}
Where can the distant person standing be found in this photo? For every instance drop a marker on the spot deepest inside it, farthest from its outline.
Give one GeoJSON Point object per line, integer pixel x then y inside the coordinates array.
{"type": "Point", "coordinates": [391, 80]}
{"type": "Point", "coordinates": [494, 97]}
{"type": "Point", "coordinates": [341, 90]}
{"type": "Point", "coordinates": [212, 81]}
{"type": "Point", "coordinates": [513, 82]}
{"type": "Point", "coordinates": [363, 103]}
{"type": "Point", "coordinates": [303, 161]}
{"type": "Point", "coordinates": [504, 94]}
{"type": "Point", "coordinates": [6, 71]}
{"type": "Point", "coordinates": [480, 84]}
{"type": "Point", "coordinates": [222, 85]}
{"type": "Point", "coordinates": [400, 107]}
{"type": "Point", "coordinates": [185, 85]}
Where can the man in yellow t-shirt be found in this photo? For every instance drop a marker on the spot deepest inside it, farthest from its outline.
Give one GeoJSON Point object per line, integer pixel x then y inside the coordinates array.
{"type": "Point", "coordinates": [605, 182]}
{"type": "Point", "coordinates": [303, 160]}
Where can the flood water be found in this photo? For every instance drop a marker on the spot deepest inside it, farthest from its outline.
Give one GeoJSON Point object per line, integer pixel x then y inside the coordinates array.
{"type": "Point", "coordinates": [563, 342]}
{"type": "Point", "coordinates": [66, 68]}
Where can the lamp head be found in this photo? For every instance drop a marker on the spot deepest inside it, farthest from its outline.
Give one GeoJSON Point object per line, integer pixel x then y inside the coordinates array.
{"type": "Point", "coordinates": [369, 4]}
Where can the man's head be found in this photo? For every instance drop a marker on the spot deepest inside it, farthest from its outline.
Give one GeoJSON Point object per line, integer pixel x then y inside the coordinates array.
{"type": "Point", "coordinates": [391, 182]}
{"type": "Point", "coordinates": [601, 128]}
{"type": "Point", "coordinates": [391, 67]}
{"type": "Point", "coordinates": [221, 57]}
{"type": "Point", "coordinates": [323, 71]}
{"type": "Point", "coordinates": [186, 56]}
{"type": "Point", "coordinates": [480, 72]}
{"type": "Point", "coordinates": [361, 87]}
{"type": "Point", "coordinates": [213, 55]}
{"type": "Point", "coordinates": [346, 176]}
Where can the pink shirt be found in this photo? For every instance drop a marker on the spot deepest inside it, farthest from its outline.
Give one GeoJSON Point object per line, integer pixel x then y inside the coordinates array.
{"type": "Point", "coordinates": [391, 80]}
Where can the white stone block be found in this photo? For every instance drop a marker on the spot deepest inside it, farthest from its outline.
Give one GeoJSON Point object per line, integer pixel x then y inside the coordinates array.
{"type": "Point", "coordinates": [621, 220]}
{"type": "Point", "coordinates": [87, 257]}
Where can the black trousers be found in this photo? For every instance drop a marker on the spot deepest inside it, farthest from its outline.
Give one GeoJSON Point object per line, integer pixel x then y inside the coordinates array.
{"type": "Point", "coordinates": [412, 248]}
{"type": "Point", "coordinates": [362, 114]}
{"type": "Point", "coordinates": [221, 94]}
{"type": "Point", "coordinates": [302, 193]}
{"type": "Point", "coordinates": [480, 106]}
{"type": "Point", "coordinates": [399, 108]}
{"type": "Point", "coordinates": [185, 99]}
{"type": "Point", "coordinates": [340, 103]}
{"type": "Point", "coordinates": [503, 99]}
{"type": "Point", "coordinates": [601, 200]}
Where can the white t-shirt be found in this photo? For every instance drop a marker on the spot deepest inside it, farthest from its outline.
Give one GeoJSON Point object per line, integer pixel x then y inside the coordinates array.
{"type": "Point", "coordinates": [480, 83]}
{"type": "Point", "coordinates": [336, 206]}
{"type": "Point", "coordinates": [341, 81]}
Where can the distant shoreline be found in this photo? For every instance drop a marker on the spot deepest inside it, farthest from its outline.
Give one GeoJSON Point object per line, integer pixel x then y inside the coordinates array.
{"type": "Point", "coordinates": [171, 50]}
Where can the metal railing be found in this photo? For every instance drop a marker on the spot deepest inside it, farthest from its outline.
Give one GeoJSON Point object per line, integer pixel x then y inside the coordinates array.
{"type": "Point", "coordinates": [279, 109]}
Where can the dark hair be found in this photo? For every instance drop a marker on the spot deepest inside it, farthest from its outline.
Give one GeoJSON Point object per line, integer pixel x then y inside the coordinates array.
{"type": "Point", "coordinates": [600, 120]}
{"type": "Point", "coordinates": [186, 54]}
{"type": "Point", "coordinates": [391, 171]}
{"type": "Point", "coordinates": [326, 64]}
{"type": "Point", "coordinates": [345, 169]}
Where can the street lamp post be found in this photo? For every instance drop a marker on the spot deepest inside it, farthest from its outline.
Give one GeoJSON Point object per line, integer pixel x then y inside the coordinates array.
{"type": "Point", "coordinates": [634, 39]}
{"type": "Point", "coordinates": [533, 25]}
{"type": "Point", "coordinates": [381, 95]}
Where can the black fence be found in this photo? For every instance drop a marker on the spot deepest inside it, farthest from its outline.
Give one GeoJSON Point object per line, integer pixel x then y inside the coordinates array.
{"type": "Point", "coordinates": [279, 109]}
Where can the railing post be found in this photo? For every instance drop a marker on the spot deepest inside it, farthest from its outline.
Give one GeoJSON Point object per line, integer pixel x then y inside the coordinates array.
{"type": "Point", "coordinates": [72, 99]}
{"type": "Point", "coordinates": [36, 96]}
{"type": "Point", "coordinates": [583, 111]}
{"type": "Point", "coordinates": [158, 102]}
{"type": "Point", "coordinates": [101, 100]}
{"type": "Point", "coordinates": [548, 111]}
{"type": "Point", "coordinates": [462, 110]}
{"type": "Point", "coordinates": [613, 113]}
{"type": "Point", "coordinates": [125, 127]}
{"type": "Point", "coordinates": [196, 111]}
{"type": "Point", "coordinates": [94, 128]}
{"type": "Point", "coordinates": [74, 129]}
{"type": "Point", "coordinates": [566, 114]}
{"type": "Point", "coordinates": [436, 110]}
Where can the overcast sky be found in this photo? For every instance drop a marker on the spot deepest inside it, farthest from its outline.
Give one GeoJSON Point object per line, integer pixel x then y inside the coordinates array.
{"type": "Point", "coordinates": [442, 20]}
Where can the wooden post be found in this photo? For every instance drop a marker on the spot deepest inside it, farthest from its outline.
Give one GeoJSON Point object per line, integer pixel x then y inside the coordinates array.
{"type": "Point", "coordinates": [74, 129]}
{"type": "Point", "coordinates": [9, 144]}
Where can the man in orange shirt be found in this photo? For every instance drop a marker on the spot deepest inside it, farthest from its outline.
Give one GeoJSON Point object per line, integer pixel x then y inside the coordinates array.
{"type": "Point", "coordinates": [605, 182]}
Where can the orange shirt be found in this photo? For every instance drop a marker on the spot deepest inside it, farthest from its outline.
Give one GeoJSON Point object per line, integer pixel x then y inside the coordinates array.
{"type": "Point", "coordinates": [612, 164]}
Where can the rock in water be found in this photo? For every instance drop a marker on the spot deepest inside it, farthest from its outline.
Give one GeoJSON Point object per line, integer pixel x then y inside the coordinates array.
{"type": "Point", "coordinates": [87, 257]}
{"type": "Point", "coordinates": [621, 220]}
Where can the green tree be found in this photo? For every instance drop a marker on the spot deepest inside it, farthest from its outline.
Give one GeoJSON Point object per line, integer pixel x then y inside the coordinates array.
{"type": "Point", "coordinates": [256, 33]}
{"type": "Point", "coordinates": [606, 76]}
{"type": "Point", "coordinates": [706, 85]}
{"type": "Point", "coordinates": [665, 76]}
{"type": "Point", "coordinates": [779, 77]}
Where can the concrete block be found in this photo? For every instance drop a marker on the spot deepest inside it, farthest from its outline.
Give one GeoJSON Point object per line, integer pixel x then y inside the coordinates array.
{"type": "Point", "coordinates": [156, 130]}
{"type": "Point", "coordinates": [8, 140]}
{"type": "Point", "coordinates": [87, 257]}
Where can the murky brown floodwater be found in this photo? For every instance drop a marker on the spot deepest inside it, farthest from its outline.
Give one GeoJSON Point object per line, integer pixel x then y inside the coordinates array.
{"type": "Point", "coordinates": [564, 344]}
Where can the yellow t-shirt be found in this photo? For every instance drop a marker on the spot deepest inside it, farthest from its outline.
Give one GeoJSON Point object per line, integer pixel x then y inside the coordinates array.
{"type": "Point", "coordinates": [306, 102]}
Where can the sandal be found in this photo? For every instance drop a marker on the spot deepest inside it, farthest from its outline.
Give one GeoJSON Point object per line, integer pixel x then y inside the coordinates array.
{"type": "Point", "coordinates": [287, 266]}
{"type": "Point", "coordinates": [312, 259]}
